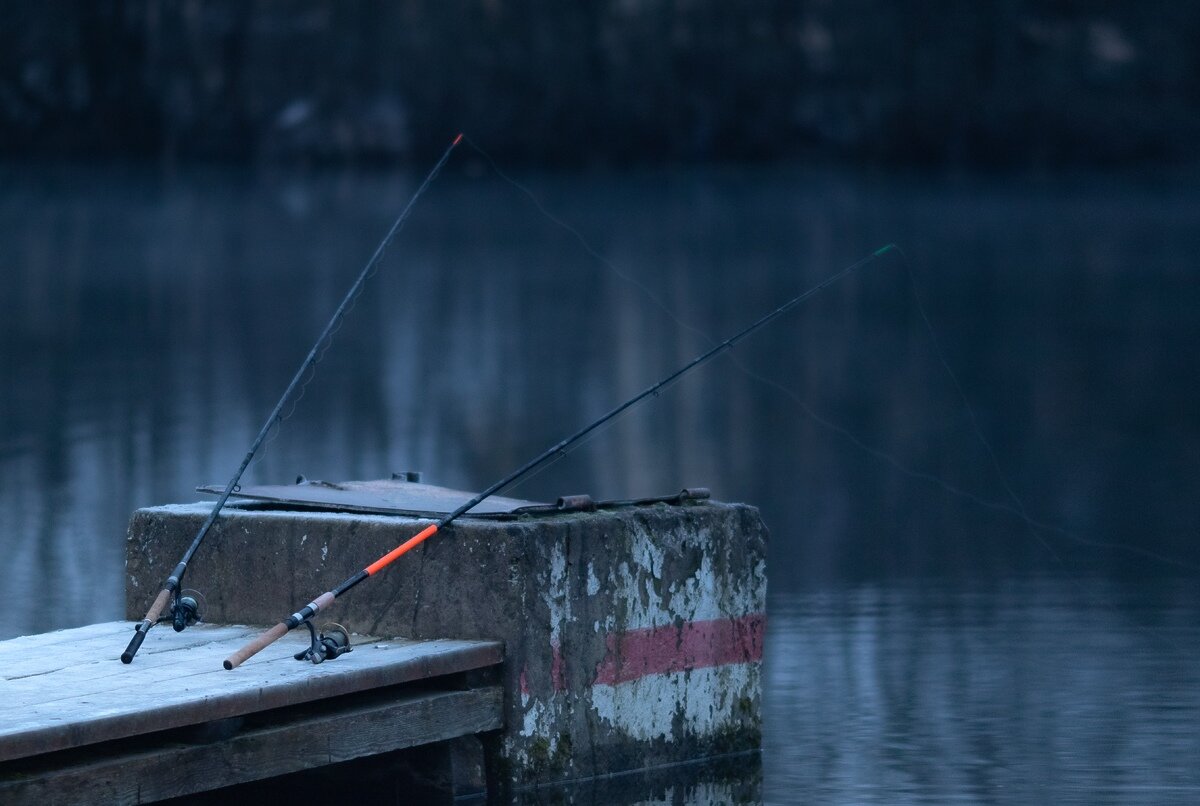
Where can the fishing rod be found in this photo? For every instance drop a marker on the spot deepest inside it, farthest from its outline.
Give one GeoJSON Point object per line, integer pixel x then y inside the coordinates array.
{"type": "Point", "coordinates": [330, 647]}
{"type": "Point", "coordinates": [185, 611]}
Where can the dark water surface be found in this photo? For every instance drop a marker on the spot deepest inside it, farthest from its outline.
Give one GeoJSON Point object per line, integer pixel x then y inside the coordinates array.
{"type": "Point", "coordinates": [922, 646]}
{"type": "Point", "coordinates": [1017, 691]}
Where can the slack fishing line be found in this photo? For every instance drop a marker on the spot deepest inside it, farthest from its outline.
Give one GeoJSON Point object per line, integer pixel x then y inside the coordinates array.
{"type": "Point", "coordinates": [321, 650]}
{"type": "Point", "coordinates": [1016, 509]}
{"type": "Point", "coordinates": [184, 610]}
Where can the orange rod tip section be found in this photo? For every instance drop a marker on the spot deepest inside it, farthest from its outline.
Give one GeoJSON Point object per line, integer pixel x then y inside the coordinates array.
{"type": "Point", "coordinates": [457, 140]}
{"type": "Point", "coordinates": [387, 559]}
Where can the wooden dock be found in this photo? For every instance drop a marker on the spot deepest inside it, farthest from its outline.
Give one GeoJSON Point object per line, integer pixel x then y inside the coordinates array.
{"type": "Point", "coordinates": [78, 726]}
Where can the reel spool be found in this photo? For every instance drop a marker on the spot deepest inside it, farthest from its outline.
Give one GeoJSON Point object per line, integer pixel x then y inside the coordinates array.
{"type": "Point", "coordinates": [187, 609]}
{"type": "Point", "coordinates": [331, 643]}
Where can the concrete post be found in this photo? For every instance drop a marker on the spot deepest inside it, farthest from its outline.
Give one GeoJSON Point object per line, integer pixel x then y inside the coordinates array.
{"type": "Point", "coordinates": [633, 637]}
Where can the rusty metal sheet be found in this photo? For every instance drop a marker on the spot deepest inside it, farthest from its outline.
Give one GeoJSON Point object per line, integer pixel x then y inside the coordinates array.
{"type": "Point", "coordinates": [381, 497]}
{"type": "Point", "coordinates": [584, 502]}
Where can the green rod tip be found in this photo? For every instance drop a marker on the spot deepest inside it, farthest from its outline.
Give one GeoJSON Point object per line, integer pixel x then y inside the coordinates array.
{"type": "Point", "coordinates": [884, 249]}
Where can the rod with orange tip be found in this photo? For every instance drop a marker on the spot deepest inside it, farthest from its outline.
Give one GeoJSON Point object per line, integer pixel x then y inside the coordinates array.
{"type": "Point", "coordinates": [305, 613]}
{"type": "Point", "coordinates": [169, 595]}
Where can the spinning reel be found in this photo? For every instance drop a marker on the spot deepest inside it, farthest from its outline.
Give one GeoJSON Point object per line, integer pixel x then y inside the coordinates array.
{"type": "Point", "coordinates": [187, 608]}
{"type": "Point", "coordinates": [333, 643]}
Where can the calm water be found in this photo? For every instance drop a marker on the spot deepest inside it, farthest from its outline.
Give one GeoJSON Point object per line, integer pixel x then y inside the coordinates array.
{"type": "Point", "coordinates": [1029, 691]}
{"type": "Point", "coordinates": [922, 646]}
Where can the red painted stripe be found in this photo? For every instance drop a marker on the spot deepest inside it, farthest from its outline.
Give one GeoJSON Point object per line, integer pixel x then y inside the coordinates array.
{"type": "Point", "coordinates": [558, 671]}
{"type": "Point", "coordinates": [679, 648]}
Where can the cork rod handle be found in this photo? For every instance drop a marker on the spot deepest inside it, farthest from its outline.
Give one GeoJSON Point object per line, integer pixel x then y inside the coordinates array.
{"type": "Point", "coordinates": [139, 635]}
{"type": "Point", "coordinates": [257, 645]}
{"type": "Point", "coordinates": [159, 605]}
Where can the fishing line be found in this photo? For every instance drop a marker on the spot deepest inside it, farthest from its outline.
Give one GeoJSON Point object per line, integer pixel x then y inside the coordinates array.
{"type": "Point", "coordinates": [317, 653]}
{"type": "Point", "coordinates": [823, 422]}
{"type": "Point", "coordinates": [1017, 509]}
{"type": "Point", "coordinates": [587, 247]}
{"type": "Point", "coordinates": [1022, 513]}
{"type": "Point", "coordinates": [1035, 526]}
{"type": "Point", "coordinates": [676, 378]}
{"type": "Point", "coordinates": [604, 429]}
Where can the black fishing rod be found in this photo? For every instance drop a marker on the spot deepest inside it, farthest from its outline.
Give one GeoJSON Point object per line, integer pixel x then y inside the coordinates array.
{"type": "Point", "coordinates": [184, 610]}
{"type": "Point", "coordinates": [323, 647]}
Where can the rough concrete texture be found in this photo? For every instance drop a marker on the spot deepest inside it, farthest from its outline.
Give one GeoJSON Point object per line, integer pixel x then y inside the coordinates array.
{"type": "Point", "coordinates": [633, 637]}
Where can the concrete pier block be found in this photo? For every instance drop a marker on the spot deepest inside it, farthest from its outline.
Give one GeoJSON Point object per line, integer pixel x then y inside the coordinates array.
{"type": "Point", "coordinates": [633, 637]}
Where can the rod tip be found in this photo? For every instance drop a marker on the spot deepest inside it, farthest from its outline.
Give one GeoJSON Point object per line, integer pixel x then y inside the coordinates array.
{"type": "Point", "coordinates": [457, 140]}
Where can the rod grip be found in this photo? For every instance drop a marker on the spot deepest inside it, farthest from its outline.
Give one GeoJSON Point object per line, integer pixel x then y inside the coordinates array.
{"type": "Point", "coordinates": [139, 635]}
{"type": "Point", "coordinates": [135, 643]}
{"type": "Point", "coordinates": [257, 645]}
{"type": "Point", "coordinates": [160, 604]}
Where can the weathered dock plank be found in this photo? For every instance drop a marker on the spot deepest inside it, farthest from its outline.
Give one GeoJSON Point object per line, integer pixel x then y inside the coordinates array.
{"type": "Point", "coordinates": [376, 725]}
{"type": "Point", "coordinates": [70, 635]}
{"type": "Point", "coordinates": [92, 653]}
{"type": "Point", "coordinates": [72, 693]}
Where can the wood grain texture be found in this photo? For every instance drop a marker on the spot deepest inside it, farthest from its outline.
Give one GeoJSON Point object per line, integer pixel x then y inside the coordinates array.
{"type": "Point", "coordinates": [299, 743]}
{"type": "Point", "coordinates": [73, 691]}
{"type": "Point", "coordinates": [70, 635]}
{"type": "Point", "coordinates": [96, 653]}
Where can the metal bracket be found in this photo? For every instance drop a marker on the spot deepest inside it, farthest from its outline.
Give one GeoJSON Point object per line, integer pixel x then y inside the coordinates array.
{"type": "Point", "coordinates": [584, 503]}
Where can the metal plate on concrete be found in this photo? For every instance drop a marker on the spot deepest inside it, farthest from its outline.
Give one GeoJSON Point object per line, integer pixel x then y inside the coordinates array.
{"type": "Point", "coordinates": [68, 689]}
{"type": "Point", "coordinates": [381, 497]}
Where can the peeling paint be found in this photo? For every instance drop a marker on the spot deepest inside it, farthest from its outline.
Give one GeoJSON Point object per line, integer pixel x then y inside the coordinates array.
{"type": "Point", "coordinates": [700, 597]}
{"type": "Point", "coordinates": [556, 596]}
{"type": "Point", "coordinates": [707, 699]}
{"type": "Point", "coordinates": [704, 699]}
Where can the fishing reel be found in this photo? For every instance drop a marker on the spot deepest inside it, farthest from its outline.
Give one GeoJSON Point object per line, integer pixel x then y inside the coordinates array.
{"type": "Point", "coordinates": [333, 643]}
{"type": "Point", "coordinates": [186, 609]}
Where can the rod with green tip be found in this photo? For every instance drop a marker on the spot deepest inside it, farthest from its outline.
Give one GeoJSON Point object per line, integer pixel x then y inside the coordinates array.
{"type": "Point", "coordinates": [304, 614]}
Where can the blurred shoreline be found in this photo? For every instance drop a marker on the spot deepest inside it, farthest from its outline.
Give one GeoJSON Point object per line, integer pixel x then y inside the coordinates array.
{"type": "Point", "coordinates": [993, 84]}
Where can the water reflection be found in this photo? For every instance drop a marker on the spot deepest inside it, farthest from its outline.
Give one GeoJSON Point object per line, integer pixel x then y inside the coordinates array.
{"type": "Point", "coordinates": [1017, 693]}
{"type": "Point", "coordinates": [149, 322]}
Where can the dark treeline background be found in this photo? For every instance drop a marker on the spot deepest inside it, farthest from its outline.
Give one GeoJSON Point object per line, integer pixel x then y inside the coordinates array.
{"type": "Point", "coordinates": [987, 82]}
